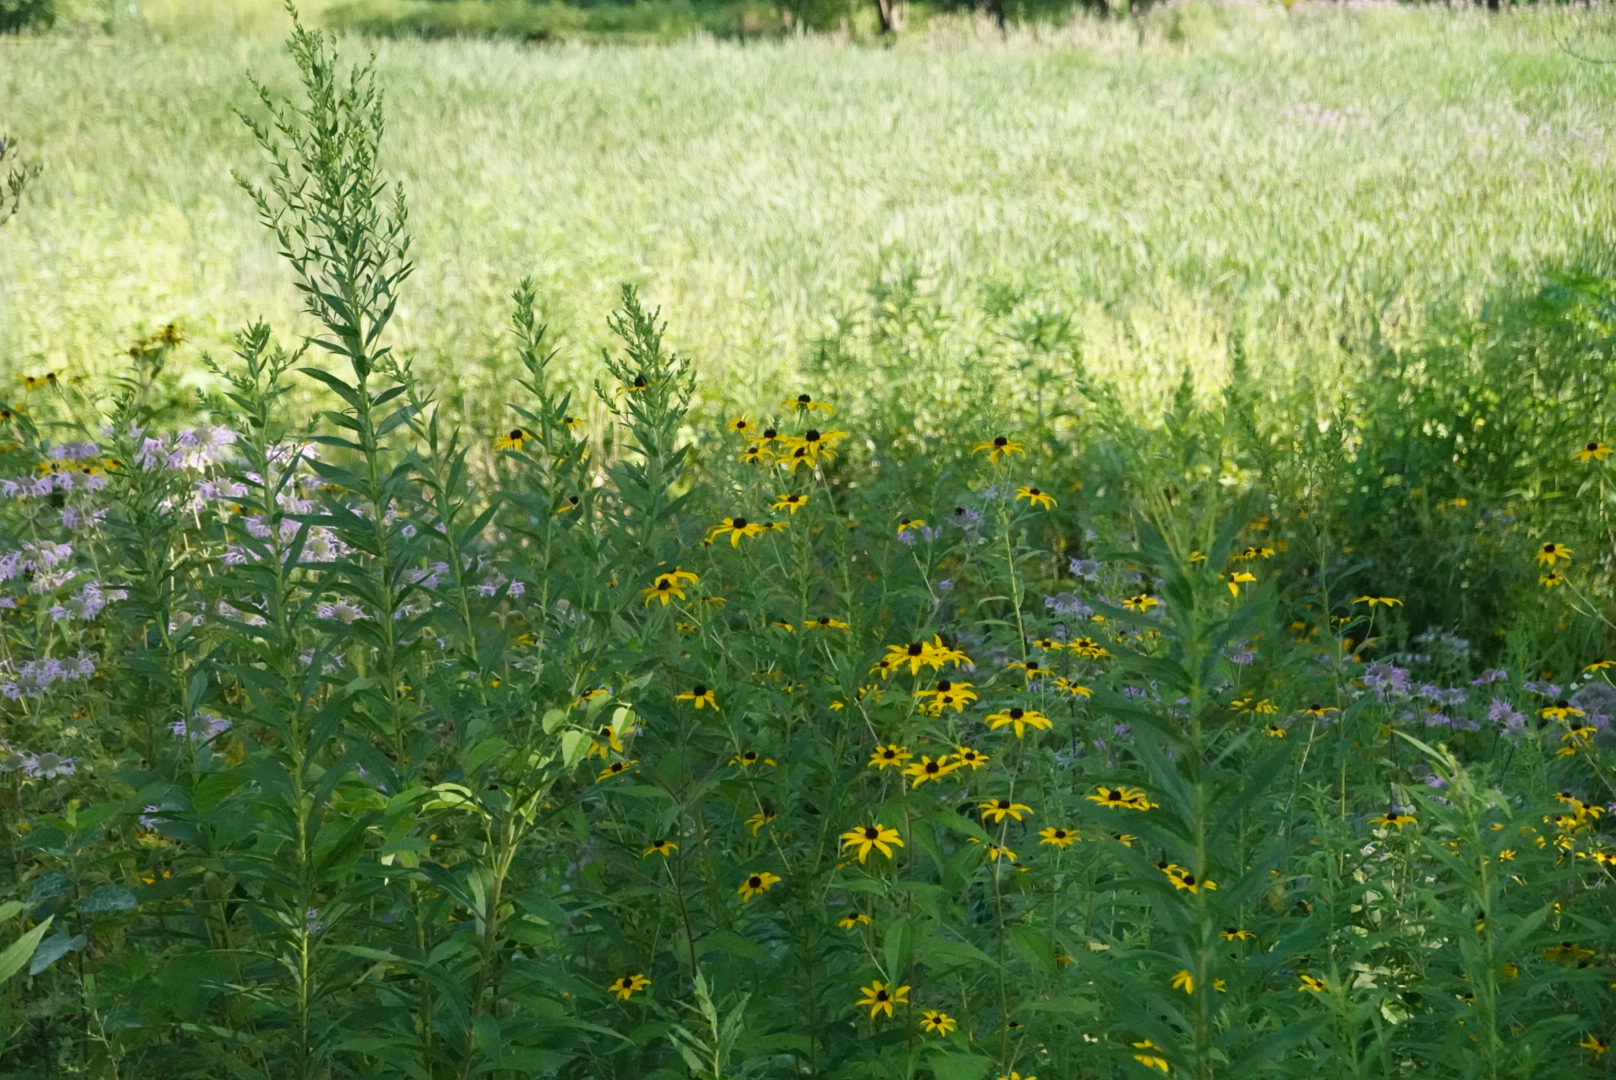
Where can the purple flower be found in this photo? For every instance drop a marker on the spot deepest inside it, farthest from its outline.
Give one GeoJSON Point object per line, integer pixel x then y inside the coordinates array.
{"type": "Point", "coordinates": [1386, 681]}
{"type": "Point", "coordinates": [1502, 712]}
{"type": "Point", "coordinates": [945, 585]}
{"type": "Point", "coordinates": [1068, 605]}
{"type": "Point", "coordinates": [1087, 569]}
{"type": "Point", "coordinates": [1491, 675]}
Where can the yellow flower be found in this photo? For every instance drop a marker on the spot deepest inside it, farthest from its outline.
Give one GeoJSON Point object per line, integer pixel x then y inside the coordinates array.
{"type": "Point", "coordinates": [804, 403]}
{"type": "Point", "coordinates": [995, 852]}
{"type": "Point", "coordinates": [1309, 983]}
{"type": "Point", "coordinates": [1566, 952]}
{"type": "Point", "coordinates": [1089, 649]}
{"type": "Point", "coordinates": [616, 768]}
{"type": "Point", "coordinates": [628, 985]}
{"type": "Point", "coordinates": [937, 1023]}
{"type": "Point", "coordinates": [789, 503]}
{"type": "Point", "coordinates": [589, 695]}
{"type": "Point", "coordinates": [927, 769]}
{"type": "Point", "coordinates": [999, 448]}
{"type": "Point", "coordinates": [1552, 579]}
{"type": "Point", "coordinates": [1063, 683]}
{"type": "Point", "coordinates": [1237, 580]}
{"type": "Point", "coordinates": [741, 425]}
{"type": "Point", "coordinates": [1274, 731]}
{"type": "Point", "coordinates": [1594, 1042]}
{"type": "Point", "coordinates": [513, 439]}
{"type": "Point", "coordinates": [756, 455]}
{"type": "Point", "coordinates": [946, 694]}
{"type": "Point", "coordinates": [1184, 981]}
{"type": "Point", "coordinates": [1021, 719]}
{"type": "Point", "coordinates": [997, 809]}
{"type": "Point", "coordinates": [891, 755]}
{"type": "Point", "coordinates": [1551, 553]}
{"type": "Point", "coordinates": [757, 884]}
{"type": "Point", "coordinates": [758, 820]}
{"type": "Point", "coordinates": [905, 524]}
{"type": "Point", "coordinates": [1507, 855]}
{"type": "Point", "coordinates": [747, 758]}
{"type": "Point", "coordinates": [973, 758]}
{"type": "Point", "coordinates": [1187, 881]}
{"type": "Point", "coordinates": [1379, 601]}
{"type": "Point", "coordinates": [1017, 1076]}
{"type": "Point", "coordinates": [811, 445]}
{"type": "Point", "coordinates": [1318, 712]}
{"type": "Point", "coordinates": [1061, 838]}
{"type": "Point", "coordinates": [700, 696]}
{"type": "Point", "coordinates": [666, 586]}
{"type": "Point", "coordinates": [1594, 451]}
{"type": "Point", "coordinates": [1560, 710]}
{"type": "Point", "coordinates": [1599, 665]}
{"type": "Point", "coordinates": [880, 997]}
{"type": "Point", "coordinates": [737, 527]}
{"type": "Point", "coordinates": [659, 847]}
{"type": "Point", "coordinates": [1031, 668]}
{"type": "Point", "coordinates": [852, 920]}
{"type": "Point", "coordinates": [824, 622]}
{"type": "Point", "coordinates": [1148, 1059]}
{"type": "Point", "coordinates": [1140, 603]}
{"type": "Point", "coordinates": [1392, 819]}
{"type": "Point", "coordinates": [1234, 933]}
{"type": "Point", "coordinates": [1132, 798]}
{"type": "Point", "coordinates": [1036, 497]}
{"type": "Point", "coordinates": [875, 836]}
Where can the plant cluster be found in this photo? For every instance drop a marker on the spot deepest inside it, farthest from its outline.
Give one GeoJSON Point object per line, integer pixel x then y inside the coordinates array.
{"type": "Point", "coordinates": [353, 745]}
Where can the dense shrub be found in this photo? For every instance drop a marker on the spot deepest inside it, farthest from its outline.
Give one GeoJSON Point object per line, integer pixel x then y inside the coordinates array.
{"type": "Point", "coordinates": [20, 14]}
{"type": "Point", "coordinates": [978, 729]}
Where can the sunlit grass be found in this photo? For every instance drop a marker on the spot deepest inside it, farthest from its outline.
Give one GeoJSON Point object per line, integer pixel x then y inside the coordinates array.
{"type": "Point", "coordinates": [1303, 179]}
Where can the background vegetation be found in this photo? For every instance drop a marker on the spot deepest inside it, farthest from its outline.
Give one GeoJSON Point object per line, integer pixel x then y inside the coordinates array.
{"type": "Point", "coordinates": [1101, 565]}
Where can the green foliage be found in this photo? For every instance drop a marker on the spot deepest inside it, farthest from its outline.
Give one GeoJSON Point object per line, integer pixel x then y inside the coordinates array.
{"type": "Point", "coordinates": [954, 717]}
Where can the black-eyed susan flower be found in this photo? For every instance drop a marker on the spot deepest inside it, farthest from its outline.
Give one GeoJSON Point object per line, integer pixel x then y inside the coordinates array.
{"type": "Point", "coordinates": [880, 997]}
{"type": "Point", "coordinates": [852, 920]}
{"type": "Point", "coordinates": [926, 769]}
{"type": "Point", "coordinates": [1274, 731]}
{"type": "Point", "coordinates": [1031, 668]}
{"type": "Point", "coordinates": [998, 448]}
{"type": "Point", "coordinates": [1020, 719]}
{"type": "Point", "coordinates": [758, 820]}
{"type": "Point", "coordinates": [1045, 644]}
{"type": "Point", "coordinates": [998, 809]}
{"type": "Point", "coordinates": [513, 440]}
{"type": "Point", "coordinates": [1184, 981]}
{"type": "Point", "coordinates": [629, 985]}
{"type": "Point", "coordinates": [747, 758]}
{"type": "Point", "coordinates": [757, 454]}
{"type": "Point", "coordinates": [757, 884]}
{"type": "Point", "coordinates": [1318, 712]}
{"type": "Point", "coordinates": [659, 847]}
{"type": "Point", "coordinates": [736, 527]}
{"type": "Point", "coordinates": [1593, 451]}
{"type": "Point", "coordinates": [669, 586]}
{"type": "Point", "coordinates": [890, 756]}
{"type": "Point", "coordinates": [1141, 603]}
{"type": "Point", "coordinates": [1013, 1074]}
{"type": "Point", "coordinates": [865, 837]}
{"type": "Point", "coordinates": [1552, 553]}
{"type": "Point", "coordinates": [804, 403]}
{"type": "Point", "coordinates": [1088, 648]}
{"type": "Point", "coordinates": [1060, 838]}
{"type": "Point", "coordinates": [1560, 710]}
{"type": "Point", "coordinates": [1234, 933]}
{"type": "Point", "coordinates": [616, 768]}
{"type": "Point", "coordinates": [1188, 882]}
{"type": "Point", "coordinates": [1566, 952]}
{"type": "Point", "coordinates": [968, 758]}
{"type": "Point", "coordinates": [1379, 601]}
{"type": "Point", "coordinates": [994, 852]}
{"type": "Point", "coordinates": [702, 697]}
{"type": "Point", "coordinates": [825, 622]}
{"type": "Point", "coordinates": [572, 423]}
{"type": "Point", "coordinates": [1148, 1057]}
{"type": "Point", "coordinates": [1066, 685]}
{"type": "Point", "coordinates": [915, 654]}
{"type": "Point", "coordinates": [1552, 580]}
{"type": "Point", "coordinates": [1238, 579]}
{"type": "Point", "coordinates": [1392, 819]}
{"type": "Point", "coordinates": [569, 504]}
{"type": "Point", "coordinates": [1119, 797]}
{"type": "Point", "coordinates": [1311, 984]}
{"type": "Point", "coordinates": [789, 503]}
{"type": "Point", "coordinates": [1599, 665]}
{"type": "Point", "coordinates": [937, 1023]}
{"type": "Point", "coordinates": [1596, 1044]}
{"type": "Point", "coordinates": [946, 654]}
{"type": "Point", "coordinates": [607, 742]}
{"type": "Point", "coordinates": [742, 425]}
{"type": "Point", "coordinates": [814, 444]}
{"type": "Point", "coordinates": [1036, 497]}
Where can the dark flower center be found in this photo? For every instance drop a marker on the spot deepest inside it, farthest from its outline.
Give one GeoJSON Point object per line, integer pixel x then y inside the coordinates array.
{"type": "Point", "coordinates": [803, 399]}
{"type": "Point", "coordinates": [1592, 447]}
{"type": "Point", "coordinates": [871, 832]}
{"type": "Point", "coordinates": [811, 435]}
{"type": "Point", "coordinates": [1548, 547]}
{"type": "Point", "coordinates": [1001, 442]}
{"type": "Point", "coordinates": [699, 690]}
{"type": "Point", "coordinates": [1189, 879]}
{"type": "Point", "coordinates": [916, 648]}
{"type": "Point", "coordinates": [573, 499]}
{"type": "Point", "coordinates": [881, 995]}
{"type": "Point", "coordinates": [1017, 714]}
{"type": "Point", "coordinates": [516, 434]}
{"type": "Point", "coordinates": [769, 433]}
{"type": "Point", "coordinates": [754, 881]}
{"type": "Point", "coordinates": [739, 523]}
{"type": "Point", "coordinates": [1003, 804]}
{"type": "Point", "coordinates": [1035, 491]}
{"type": "Point", "coordinates": [664, 584]}
{"type": "Point", "coordinates": [945, 686]}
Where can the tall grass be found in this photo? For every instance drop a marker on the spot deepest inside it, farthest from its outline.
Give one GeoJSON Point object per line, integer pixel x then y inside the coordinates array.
{"type": "Point", "coordinates": [1307, 180]}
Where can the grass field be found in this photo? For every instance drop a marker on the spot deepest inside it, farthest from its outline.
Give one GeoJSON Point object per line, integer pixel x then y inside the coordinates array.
{"type": "Point", "coordinates": [1308, 178]}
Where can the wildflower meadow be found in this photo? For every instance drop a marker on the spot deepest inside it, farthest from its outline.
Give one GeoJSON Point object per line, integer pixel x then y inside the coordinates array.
{"type": "Point", "coordinates": [1000, 728]}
